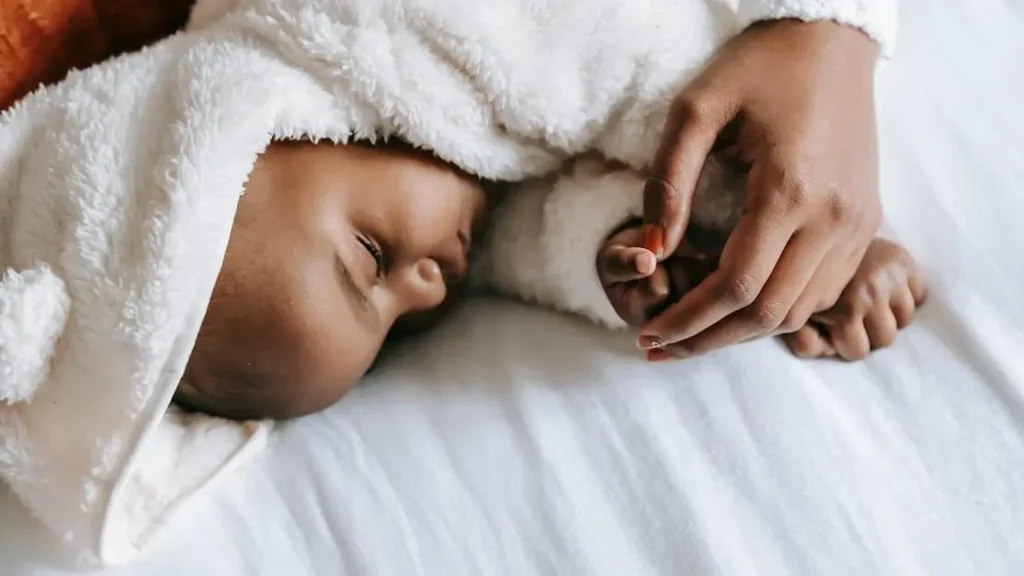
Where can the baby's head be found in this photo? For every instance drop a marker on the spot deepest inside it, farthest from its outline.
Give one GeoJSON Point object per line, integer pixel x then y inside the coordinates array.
{"type": "Point", "coordinates": [333, 248]}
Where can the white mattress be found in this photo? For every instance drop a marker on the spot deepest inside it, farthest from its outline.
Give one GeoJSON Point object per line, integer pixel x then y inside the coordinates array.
{"type": "Point", "coordinates": [517, 442]}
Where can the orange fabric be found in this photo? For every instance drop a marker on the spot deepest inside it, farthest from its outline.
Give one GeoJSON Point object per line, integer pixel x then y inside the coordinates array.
{"type": "Point", "coordinates": [40, 40]}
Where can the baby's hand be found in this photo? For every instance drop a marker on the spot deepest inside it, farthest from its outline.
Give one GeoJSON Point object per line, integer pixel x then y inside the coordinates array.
{"type": "Point", "coordinates": [880, 300]}
{"type": "Point", "coordinates": [637, 285]}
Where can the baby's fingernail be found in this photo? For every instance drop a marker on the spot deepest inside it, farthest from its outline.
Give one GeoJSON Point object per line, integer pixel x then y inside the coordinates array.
{"type": "Point", "coordinates": [646, 263]}
{"type": "Point", "coordinates": [654, 238]}
{"type": "Point", "coordinates": [649, 342]}
{"type": "Point", "coordinates": [657, 288]}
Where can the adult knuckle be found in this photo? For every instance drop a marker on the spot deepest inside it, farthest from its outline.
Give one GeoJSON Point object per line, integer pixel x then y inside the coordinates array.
{"type": "Point", "coordinates": [794, 194]}
{"type": "Point", "coordinates": [838, 205]}
{"type": "Point", "coordinates": [693, 109]}
{"type": "Point", "coordinates": [799, 191]}
{"type": "Point", "coordinates": [769, 316]}
{"type": "Point", "coordinates": [742, 289]}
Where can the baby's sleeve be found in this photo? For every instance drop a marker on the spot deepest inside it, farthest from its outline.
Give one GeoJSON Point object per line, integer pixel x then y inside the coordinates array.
{"type": "Point", "coordinates": [877, 18]}
{"type": "Point", "coordinates": [545, 236]}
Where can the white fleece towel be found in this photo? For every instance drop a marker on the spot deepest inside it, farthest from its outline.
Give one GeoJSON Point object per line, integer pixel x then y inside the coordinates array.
{"type": "Point", "coordinates": [118, 189]}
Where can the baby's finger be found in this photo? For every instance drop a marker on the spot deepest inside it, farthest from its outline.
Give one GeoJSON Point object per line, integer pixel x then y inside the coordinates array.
{"type": "Point", "coordinates": [809, 342]}
{"type": "Point", "coordinates": [628, 301]}
{"type": "Point", "coordinates": [880, 324]}
{"type": "Point", "coordinates": [657, 286]}
{"type": "Point", "coordinates": [619, 263]}
{"type": "Point", "coordinates": [918, 289]}
{"type": "Point", "coordinates": [850, 340]}
{"type": "Point", "coordinates": [904, 308]}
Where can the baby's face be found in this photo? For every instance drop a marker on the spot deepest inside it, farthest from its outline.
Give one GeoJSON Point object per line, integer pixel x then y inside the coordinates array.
{"type": "Point", "coordinates": [331, 245]}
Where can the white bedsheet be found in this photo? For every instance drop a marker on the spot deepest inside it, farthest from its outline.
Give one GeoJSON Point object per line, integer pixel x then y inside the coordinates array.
{"type": "Point", "coordinates": [517, 442]}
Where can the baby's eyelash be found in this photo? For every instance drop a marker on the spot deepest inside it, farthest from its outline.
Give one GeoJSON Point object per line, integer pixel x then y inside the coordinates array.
{"type": "Point", "coordinates": [374, 249]}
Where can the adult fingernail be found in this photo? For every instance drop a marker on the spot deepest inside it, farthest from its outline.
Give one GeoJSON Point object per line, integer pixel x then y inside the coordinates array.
{"type": "Point", "coordinates": [654, 238]}
{"type": "Point", "coordinates": [658, 356]}
{"type": "Point", "coordinates": [649, 342]}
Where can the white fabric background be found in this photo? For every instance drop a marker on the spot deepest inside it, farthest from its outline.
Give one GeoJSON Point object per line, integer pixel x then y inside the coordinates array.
{"type": "Point", "coordinates": [517, 442]}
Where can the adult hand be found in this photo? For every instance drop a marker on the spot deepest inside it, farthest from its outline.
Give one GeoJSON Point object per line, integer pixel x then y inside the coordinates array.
{"type": "Point", "coordinates": [795, 101]}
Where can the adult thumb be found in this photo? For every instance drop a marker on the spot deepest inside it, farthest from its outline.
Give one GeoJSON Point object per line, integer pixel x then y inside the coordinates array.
{"type": "Point", "coordinates": [694, 122]}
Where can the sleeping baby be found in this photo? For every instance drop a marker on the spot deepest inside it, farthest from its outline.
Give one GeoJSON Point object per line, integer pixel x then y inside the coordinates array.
{"type": "Point", "coordinates": [336, 248]}
{"type": "Point", "coordinates": [185, 221]}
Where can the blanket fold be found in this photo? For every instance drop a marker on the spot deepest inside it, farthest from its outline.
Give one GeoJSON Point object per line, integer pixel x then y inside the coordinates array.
{"type": "Point", "coordinates": [118, 189]}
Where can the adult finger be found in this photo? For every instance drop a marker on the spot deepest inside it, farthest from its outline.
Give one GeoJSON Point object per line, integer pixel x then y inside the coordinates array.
{"type": "Point", "coordinates": [822, 291]}
{"type": "Point", "coordinates": [618, 263]}
{"type": "Point", "coordinates": [773, 306]}
{"type": "Point", "coordinates": [694, 121]}
{"type": "Point", "coordinates": [747, 262]}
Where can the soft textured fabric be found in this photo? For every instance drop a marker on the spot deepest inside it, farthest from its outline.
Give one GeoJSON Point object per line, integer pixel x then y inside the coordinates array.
{"type": "Point", "coordinates": [118, 188]}
{"type": "Point", "coordinates": [40, 40]}
{"type": "Point", "coordinates": [117, 192]}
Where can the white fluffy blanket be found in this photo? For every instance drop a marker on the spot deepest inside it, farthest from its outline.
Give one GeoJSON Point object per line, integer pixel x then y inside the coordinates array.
{"type": "Point", "coordinates": [118, 189]}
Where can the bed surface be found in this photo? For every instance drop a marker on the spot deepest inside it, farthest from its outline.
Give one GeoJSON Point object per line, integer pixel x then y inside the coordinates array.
{"type": "Point", "coordinates": [514, 441]}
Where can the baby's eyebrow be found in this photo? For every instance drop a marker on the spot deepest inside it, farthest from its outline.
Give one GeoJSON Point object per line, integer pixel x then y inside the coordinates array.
{"type": "Point", "coordinates": [366, 307]}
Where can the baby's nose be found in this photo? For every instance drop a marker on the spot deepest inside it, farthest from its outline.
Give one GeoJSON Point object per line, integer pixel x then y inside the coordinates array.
{"type": "Point", "coordinates": [426, 285]}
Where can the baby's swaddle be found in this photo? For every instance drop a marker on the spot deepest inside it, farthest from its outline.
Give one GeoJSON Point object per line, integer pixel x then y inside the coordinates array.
{"type": "Point", "coordinates": [118, 189]}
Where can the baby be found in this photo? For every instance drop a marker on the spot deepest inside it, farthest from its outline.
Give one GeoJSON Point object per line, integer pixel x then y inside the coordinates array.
{"type": "Point", "coordinates": [336, 248]}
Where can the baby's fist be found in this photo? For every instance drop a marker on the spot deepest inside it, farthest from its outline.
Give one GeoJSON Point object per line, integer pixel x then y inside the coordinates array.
{"type": "Point", "coordinates": [630, 276]}
{"type": "Point", "coordinates": [637, 285]}
{"type": "Point", "coordinates": [879, 301]}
